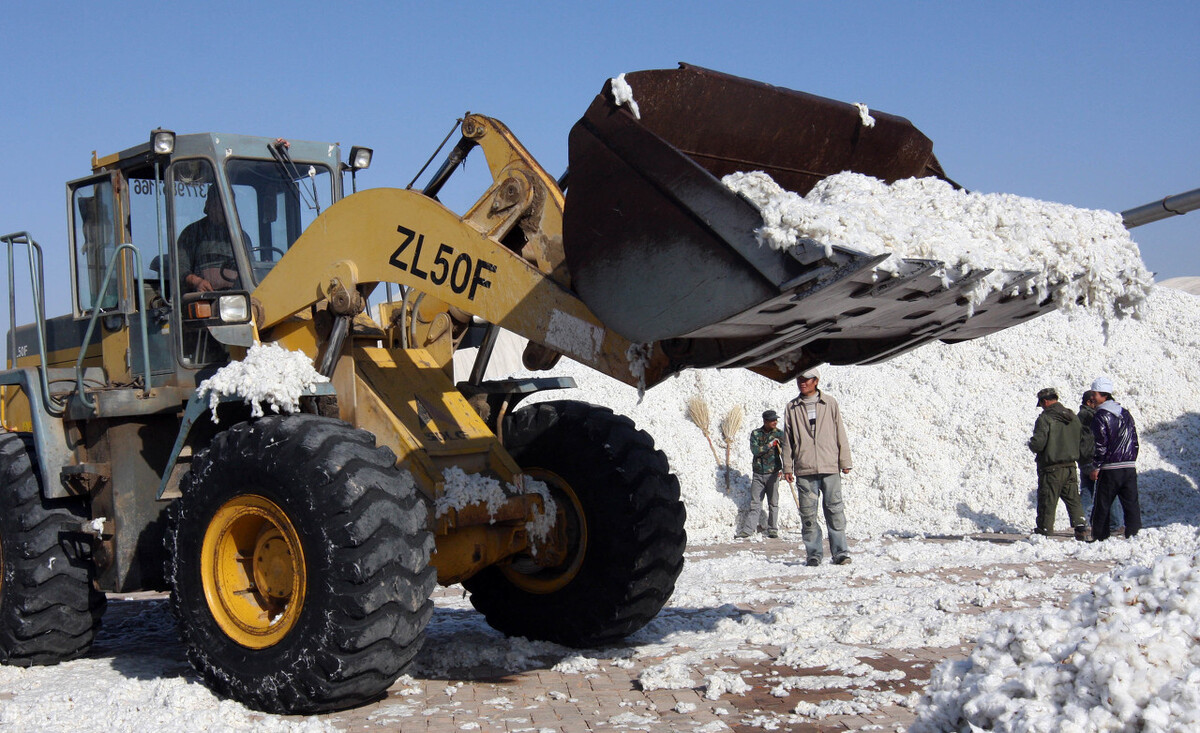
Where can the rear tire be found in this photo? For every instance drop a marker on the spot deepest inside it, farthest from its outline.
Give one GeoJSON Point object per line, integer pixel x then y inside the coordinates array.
{"type": "Point", "coordinates": [299, 565]}
{"type": "Point", "coordinates": [49, 608]}
{"type": "Point", "coordinates": [625, 530]}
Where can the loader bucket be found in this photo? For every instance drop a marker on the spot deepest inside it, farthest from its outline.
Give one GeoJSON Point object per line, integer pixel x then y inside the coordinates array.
{"type": "Point", "coordinates": [662, 251]}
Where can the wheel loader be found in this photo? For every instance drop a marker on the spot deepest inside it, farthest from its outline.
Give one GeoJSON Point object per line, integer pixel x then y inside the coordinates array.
{"type": "Point", "coordinates": [301, 548]}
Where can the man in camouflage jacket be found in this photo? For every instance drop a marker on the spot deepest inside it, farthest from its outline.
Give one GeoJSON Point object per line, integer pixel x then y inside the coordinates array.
{"type": "Point", "coordinates": [764, 447]}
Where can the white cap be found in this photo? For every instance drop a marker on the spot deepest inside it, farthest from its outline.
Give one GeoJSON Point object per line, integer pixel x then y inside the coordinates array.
{"type": "Point", "coordinates": [1102, 384]}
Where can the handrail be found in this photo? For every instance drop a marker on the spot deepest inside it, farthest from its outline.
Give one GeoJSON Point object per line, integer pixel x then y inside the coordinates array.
{"type": "Point", "coordinates": [141, 294]}
{"type": "Point", "coordinates": [37, 284]}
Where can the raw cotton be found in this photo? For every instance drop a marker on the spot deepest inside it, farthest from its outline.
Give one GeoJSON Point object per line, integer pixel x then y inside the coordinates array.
{"type": "Point", "coordinates": [269, 373]}
{"type": "Point", "coordinates": [1125, 656]}
{"type": "Point", "coordinates": [864, 113]}
{"type": "Point", "coordinates": [1078, 255]}
{"type": "Point", "coordinates": [623, 94]}
{"type": "Point", "coordinates": [939, 434]}
{"type": "Point", "coordinates": [462, 489]}
{"type": "Point", "coordinates": [543, 520]}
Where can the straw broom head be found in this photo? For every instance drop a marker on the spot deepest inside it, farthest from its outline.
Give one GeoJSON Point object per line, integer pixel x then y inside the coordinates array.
{"type": "Point", "coordinates": [732, 423]}
{"type": "Point", "coordinates": [697, 412]}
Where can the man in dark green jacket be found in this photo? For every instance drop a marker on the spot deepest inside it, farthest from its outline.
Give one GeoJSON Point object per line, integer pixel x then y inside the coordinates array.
{"type": "Point", "coordinates": [764, 447]}
{"type": "Point", "coordinates": [1060, 443]}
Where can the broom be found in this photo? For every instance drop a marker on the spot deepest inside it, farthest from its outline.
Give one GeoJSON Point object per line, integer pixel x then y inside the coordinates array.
{"type": "Point", "coordinates": [697, 412]}
{"type": "Point", "coordinates": [729, 430]}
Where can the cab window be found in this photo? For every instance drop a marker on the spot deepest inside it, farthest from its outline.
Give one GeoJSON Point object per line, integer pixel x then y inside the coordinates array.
{"type": "Point", "coordinates": [94, 241]}
{"type": "Point", "coordinates": [275, 203]}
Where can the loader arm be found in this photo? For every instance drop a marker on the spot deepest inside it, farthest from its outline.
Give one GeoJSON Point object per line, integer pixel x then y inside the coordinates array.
{"type": "Point", "coordinates": [496, 263]}
{"type": "Point", "coordinates": [403, 237]}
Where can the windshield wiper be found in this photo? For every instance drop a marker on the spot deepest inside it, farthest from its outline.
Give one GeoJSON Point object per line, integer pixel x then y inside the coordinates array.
{"type": "Point", "coordinates": [279, 151]}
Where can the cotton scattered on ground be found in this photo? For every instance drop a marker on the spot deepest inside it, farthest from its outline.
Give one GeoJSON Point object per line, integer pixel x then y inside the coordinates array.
{"type": "Point", "coordinates": [1077, 254]}
{"type": "Point", "coordinates": [1124, 656]}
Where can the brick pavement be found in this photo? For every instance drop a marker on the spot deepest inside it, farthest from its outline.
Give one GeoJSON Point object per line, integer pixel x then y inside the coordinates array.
{"type": "Point", "coordinates": [609, 698]}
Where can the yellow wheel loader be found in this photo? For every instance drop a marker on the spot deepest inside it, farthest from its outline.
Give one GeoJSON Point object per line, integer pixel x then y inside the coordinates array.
{"type": "Point", "coordinates": [300, 549]}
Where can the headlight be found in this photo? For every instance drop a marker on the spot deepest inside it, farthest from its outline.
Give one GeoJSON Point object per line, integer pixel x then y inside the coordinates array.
{"type": "Point", "coordinates": [360, 158]}
{"type": "Point", "coordinates": [233, 308]}
{"type": "Point", "coordinates": [162, 142]}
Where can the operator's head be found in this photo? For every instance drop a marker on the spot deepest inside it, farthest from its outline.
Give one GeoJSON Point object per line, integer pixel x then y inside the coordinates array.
{"type": "Point", "coordinates": [212, 204]}
{"type": "Point", "coordinates": [770, 419]}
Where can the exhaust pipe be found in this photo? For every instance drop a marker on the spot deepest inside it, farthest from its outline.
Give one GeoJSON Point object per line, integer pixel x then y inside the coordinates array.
{"type": "Point", "coordinates": [1176, 205]}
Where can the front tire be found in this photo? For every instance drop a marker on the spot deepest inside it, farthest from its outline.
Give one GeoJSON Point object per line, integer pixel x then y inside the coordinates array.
{"type": "Point", "coordinates": [625, 530]}
{"type": "Point", "coordinates": [299, 565]}
{"type": "Point", "coordinates": [49, 608]}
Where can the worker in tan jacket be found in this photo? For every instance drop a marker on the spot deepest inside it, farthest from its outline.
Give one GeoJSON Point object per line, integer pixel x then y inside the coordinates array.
{"type": "Point", "coordinates": [816, 453]}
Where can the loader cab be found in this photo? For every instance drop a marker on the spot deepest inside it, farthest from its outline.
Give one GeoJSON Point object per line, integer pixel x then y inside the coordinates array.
{"type": "Point", "coordinates": [210, 215]}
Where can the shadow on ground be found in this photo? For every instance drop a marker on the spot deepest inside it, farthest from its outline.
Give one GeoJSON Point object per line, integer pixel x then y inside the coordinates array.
{"type": "Point", "coordinates": [139, 639]}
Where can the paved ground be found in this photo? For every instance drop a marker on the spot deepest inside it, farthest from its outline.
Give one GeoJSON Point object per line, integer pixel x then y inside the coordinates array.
{"type": "Point", "coordinates": [609, 698]}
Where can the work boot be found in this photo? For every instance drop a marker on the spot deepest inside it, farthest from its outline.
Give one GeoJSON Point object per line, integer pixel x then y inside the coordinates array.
{"type": "Point", "coordinates": [773, 534]}
{"type": "Point", "coordinates": [1083, 533]}
{"type": "Point", "coordinates": [741, 536]}
{"type": "Point", "coordinates": [812, 562]}
{"type": "Point", "coordinates": [843, 560]}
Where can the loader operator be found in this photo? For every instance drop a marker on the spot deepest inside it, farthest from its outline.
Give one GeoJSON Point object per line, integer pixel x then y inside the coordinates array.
{"type": "Point", "coordinates": [206, 260]}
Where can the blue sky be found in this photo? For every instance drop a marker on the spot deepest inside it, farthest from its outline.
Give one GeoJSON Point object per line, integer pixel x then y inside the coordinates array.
{"type": "Point", "coordinates": [1092, 104]}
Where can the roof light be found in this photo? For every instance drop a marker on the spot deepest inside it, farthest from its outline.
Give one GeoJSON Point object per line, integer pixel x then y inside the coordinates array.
{"type": "Point", "coordinates": [162, 142]}
{"type": "Point", "coordinates": [360, 158]}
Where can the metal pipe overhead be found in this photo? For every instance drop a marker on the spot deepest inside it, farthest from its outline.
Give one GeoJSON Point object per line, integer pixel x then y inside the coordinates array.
{"type": "Point", "coordinates": [1175, 205]}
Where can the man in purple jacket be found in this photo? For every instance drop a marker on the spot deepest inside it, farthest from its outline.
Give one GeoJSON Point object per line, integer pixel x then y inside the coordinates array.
{"type": "Point", "coordinates": [1113, 465]}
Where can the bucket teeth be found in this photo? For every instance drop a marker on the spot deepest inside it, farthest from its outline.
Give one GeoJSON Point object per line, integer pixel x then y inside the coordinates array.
{"type": "Point", "coordinates": [882, 314]}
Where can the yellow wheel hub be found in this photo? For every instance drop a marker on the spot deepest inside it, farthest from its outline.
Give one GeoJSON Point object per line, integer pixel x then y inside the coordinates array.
{"type": "Point", "coordinates": [524, 572]}
{"type": "Point", "coordinates": [252, 569]}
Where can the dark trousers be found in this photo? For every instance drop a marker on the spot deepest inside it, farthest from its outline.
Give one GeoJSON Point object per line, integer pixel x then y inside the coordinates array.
{"type": "Point", "coordinates": [1087, 495]}
{"type": "Point", "coordinates": [1054, 483]}
{"type": "Point", "coordinates": [1116, 483]}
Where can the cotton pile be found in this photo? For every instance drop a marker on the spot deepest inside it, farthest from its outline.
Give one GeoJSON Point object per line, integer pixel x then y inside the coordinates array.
{"type": "Point", "coordinates": [939, 435]}
{"type": "Point", "coordinates": [1078, 255]}
{"type": "Point", "coordinates": [1125, 656]}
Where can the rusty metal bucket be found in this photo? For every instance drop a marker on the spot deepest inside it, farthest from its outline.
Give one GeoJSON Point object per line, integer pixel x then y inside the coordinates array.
{"type": "Point", "coordinates": [662, 251]}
